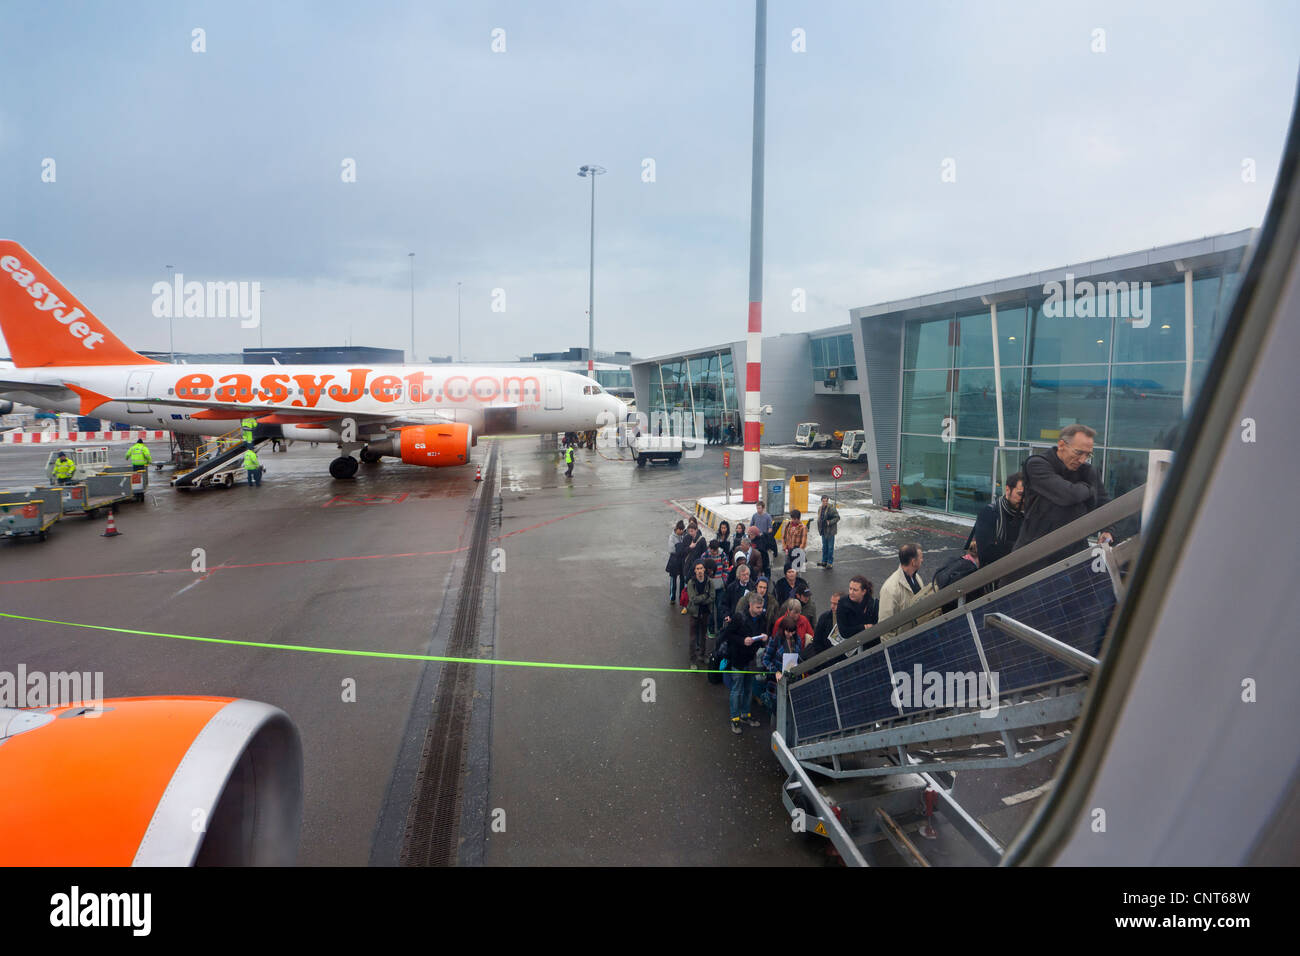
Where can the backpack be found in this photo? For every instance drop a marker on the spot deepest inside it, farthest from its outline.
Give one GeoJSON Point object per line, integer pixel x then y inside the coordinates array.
{"type": "Point", "coordinates": [717, 661]}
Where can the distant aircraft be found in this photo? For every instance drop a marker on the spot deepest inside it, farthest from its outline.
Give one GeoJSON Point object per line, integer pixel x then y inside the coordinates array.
{"type": "Point", "coordinates": [66, 359]}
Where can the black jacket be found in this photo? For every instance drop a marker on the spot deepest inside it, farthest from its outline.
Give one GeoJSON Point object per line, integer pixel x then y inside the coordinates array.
{"type": "Point", "coordinates": [853, 618]}
{"type": "Point", "coordinates": [1055, 496]}
{"type": "Point", "coordinates": [739, 656]}
{"type": "Point", "coordinates": [996, 517]}
{"type": "Point", "coordinates": [784, 590]}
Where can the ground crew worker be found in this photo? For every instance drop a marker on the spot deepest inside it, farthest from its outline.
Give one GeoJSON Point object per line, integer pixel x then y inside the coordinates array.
{"type": "Point", "coordinates": [568, 458]}
{"type": "Point", "coordinates": [138, 455]}
{"type": "Point", "coordinates": [253, 467]}
{"type": "Point", "coordinates": [64, 469]}
{"type": "Point", "coordinates": [249, 425]}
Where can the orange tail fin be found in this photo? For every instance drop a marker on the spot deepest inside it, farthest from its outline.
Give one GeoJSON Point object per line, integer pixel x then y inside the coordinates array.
{"type": "Point", "coordinates": [44, 324]}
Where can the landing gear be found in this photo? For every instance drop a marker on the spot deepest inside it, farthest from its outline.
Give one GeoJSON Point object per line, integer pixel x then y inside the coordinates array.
{"type": "Point", "coordinates": [369, 457]}
{"type": "Point", "coordinates": [344, 467]}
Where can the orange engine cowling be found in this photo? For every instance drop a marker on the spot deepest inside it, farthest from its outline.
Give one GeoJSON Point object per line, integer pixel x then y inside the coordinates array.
{"type": "Point", "coordinates": [434, 446]}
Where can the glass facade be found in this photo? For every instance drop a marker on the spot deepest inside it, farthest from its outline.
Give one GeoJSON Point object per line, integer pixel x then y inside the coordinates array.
{"type": "Point", "coordinates": [699, 388]}
{"type": "Point", "coordinates": [834, 352]}
{"type": "Point", "coordinates": [1116, 372]}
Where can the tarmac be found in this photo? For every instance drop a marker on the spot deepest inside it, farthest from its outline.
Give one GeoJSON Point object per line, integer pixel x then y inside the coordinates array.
{"type": "Point", "coordinates": [563, 766]}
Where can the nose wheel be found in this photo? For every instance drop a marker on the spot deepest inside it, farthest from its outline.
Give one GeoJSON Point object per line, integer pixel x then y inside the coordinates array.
{"type": "Point", "coordinates": [344, 467]}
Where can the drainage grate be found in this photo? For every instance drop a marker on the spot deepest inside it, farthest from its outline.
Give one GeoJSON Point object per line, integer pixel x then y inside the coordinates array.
{"type": "Point", "coordinates": [433, 827]}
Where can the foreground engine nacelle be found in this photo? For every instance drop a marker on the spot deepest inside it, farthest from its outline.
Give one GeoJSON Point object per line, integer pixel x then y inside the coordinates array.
{"type": "Point", "coordinates": [150, 781]}
{"type": "Point", "coordinates": [434, 446]}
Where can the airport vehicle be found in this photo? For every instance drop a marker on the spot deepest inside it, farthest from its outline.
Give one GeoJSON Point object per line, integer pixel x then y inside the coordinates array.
{"type": "Point", "coordinates": [854, 446]}
{"type": "Point", "coordinates": [29, 511]}
{"type": "Point", "coordinates": [657, 448]}
{"type": "Point", "coordinates": [808, 435]}
{"type": "Point", "coordinates": [65, 358]}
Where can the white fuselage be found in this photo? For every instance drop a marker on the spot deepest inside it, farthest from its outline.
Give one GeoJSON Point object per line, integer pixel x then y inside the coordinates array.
{"type": "Point", "coordinates": [489, 399]}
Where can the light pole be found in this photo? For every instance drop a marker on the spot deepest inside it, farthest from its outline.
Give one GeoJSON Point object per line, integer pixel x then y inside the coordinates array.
{"type": "Point", "coordinates": [460, 357]}
{"type": "Point", "coordinates": [592, 172]}
{"type": "Point", "coordinates": [171, 313]}
{"type": "Point", "coordinates": [260, 291]}
{"type": "Point", "coordinates": [411, 256]}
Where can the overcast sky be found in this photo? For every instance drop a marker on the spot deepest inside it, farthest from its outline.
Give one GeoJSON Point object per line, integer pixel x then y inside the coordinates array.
{"type": "Point", "coordinates": [228, 163]}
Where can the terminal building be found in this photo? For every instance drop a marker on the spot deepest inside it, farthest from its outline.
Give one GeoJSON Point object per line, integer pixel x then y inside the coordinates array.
{"type": "Point", "coordinates": [941, 382]}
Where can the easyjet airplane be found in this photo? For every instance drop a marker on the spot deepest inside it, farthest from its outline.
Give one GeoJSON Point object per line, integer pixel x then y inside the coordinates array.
{"type": "Point", "coordinates": [66, 359]}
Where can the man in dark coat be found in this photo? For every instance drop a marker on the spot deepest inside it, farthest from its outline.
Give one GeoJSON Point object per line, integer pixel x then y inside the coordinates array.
{"type": "Point", "coordinates": [1061, 486]}
{"type": "Point", "coordinates": [998, 525]}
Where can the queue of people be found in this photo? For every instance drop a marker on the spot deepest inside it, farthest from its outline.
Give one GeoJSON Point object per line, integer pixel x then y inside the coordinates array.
{"type": "Point", "coordinates": [763, 623]}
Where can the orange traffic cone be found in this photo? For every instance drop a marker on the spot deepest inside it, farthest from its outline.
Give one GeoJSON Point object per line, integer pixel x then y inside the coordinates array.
{"type": "Point", "coordinates": [478, 473]}
{"type": "Point", "coordinates": [111, 530]}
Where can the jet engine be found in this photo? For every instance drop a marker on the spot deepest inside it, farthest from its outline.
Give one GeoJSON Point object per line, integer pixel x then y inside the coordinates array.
{"type": "Point", "coordinates": [435, 446]}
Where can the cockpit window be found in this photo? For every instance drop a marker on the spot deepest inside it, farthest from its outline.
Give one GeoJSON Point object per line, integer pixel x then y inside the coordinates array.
{"type": "Point", "coordinates": [592, 390]}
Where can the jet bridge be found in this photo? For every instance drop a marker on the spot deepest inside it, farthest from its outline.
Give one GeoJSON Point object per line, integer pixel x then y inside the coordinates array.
{"type": "Point", "coordinates": [873, 734]}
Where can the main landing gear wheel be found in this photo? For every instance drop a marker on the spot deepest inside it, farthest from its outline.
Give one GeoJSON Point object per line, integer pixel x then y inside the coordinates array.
{"type": "Point", "coordinates": [369, 457]}
{"type": "Point", "coordinates": [344, 467]}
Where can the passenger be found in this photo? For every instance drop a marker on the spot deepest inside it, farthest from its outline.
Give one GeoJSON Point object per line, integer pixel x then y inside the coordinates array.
{"type": "Point", "coordinates": [761, 520]}
{"type": "Point", "coordinates": [790, 632]}
{"type": "Point", "coordinates": [857, 610]}
{"type": "Point", "coordinates": [1061, 486]}
{"type": "Point", "coordinates": [758, 564]}
{"type": "Point", "coordinates": [758, 544]}
{"type": "Point", "coordinates": [998, 524]}
{"type": "Point", "coordinates": [795, 537]}
{"type": "Point", "coordinates": [740, 557]}
{"type": "Point", "coordinates": [739, 589]}
{"type": "Point", "coordinates": [803, 594]}
{"type": "Point", "coordinates": [763, 588]}
{"type": "Point", "coordinates": [674, 566]}
{"type": "Point", "coordinates": [827, 633]}
{"type": "Point", "coordinates": [699, 604]}
{"type": "Point", "coordinates": [740, 535]}
{"type": "Point", "coordinates": [828, 521]}
{"type": "Point", "coordinates": [744, 635]}
{"type": "Point", "coordinates": [64, 469]}
{"type": "Point", "coordinates": [900, 590]}
{"type": "Point", "coordinates": [785, 587]}
{"type": "Point", "coordinates": [724, 535]}
{"type": "Point", "coordinates": [720, 571]}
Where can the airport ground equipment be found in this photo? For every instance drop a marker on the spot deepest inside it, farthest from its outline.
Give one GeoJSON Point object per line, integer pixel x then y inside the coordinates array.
{"type": "Point", "coordinates": [218, 462]}
{"type": "Point", "coordinates": [29, 511]}
{"type": "Point", "coordinates": [90, 460]}
{"type": "Point", "coordinates": [872, 739]}
{"type": "Point", "coordinates": [663, 448]}
{"type": "Point", "coordinates": [810, 435]}
{"type": "Point", "coordinates": [854, 446]}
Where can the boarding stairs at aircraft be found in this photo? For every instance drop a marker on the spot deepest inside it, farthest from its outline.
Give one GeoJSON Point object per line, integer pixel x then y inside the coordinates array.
{"type": "Point", "coordinates": [217, 462]}
{"type": "Point", "coordinates": [871, 756]}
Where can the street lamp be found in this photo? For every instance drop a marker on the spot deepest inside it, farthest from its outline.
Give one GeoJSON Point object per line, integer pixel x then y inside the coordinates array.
{"type": "Point", "coordinates": [171, 313]}
{"type": "Point", "coordinates": [411, 256]}
{"type": "Point", "coordinates": [460, 357]}
{"type": "Point", "coordinates": [592, 172]}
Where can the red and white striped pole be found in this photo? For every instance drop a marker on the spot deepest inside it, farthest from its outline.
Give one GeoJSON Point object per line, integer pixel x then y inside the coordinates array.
{"type": "Point", "coordinates": [754, 338]}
